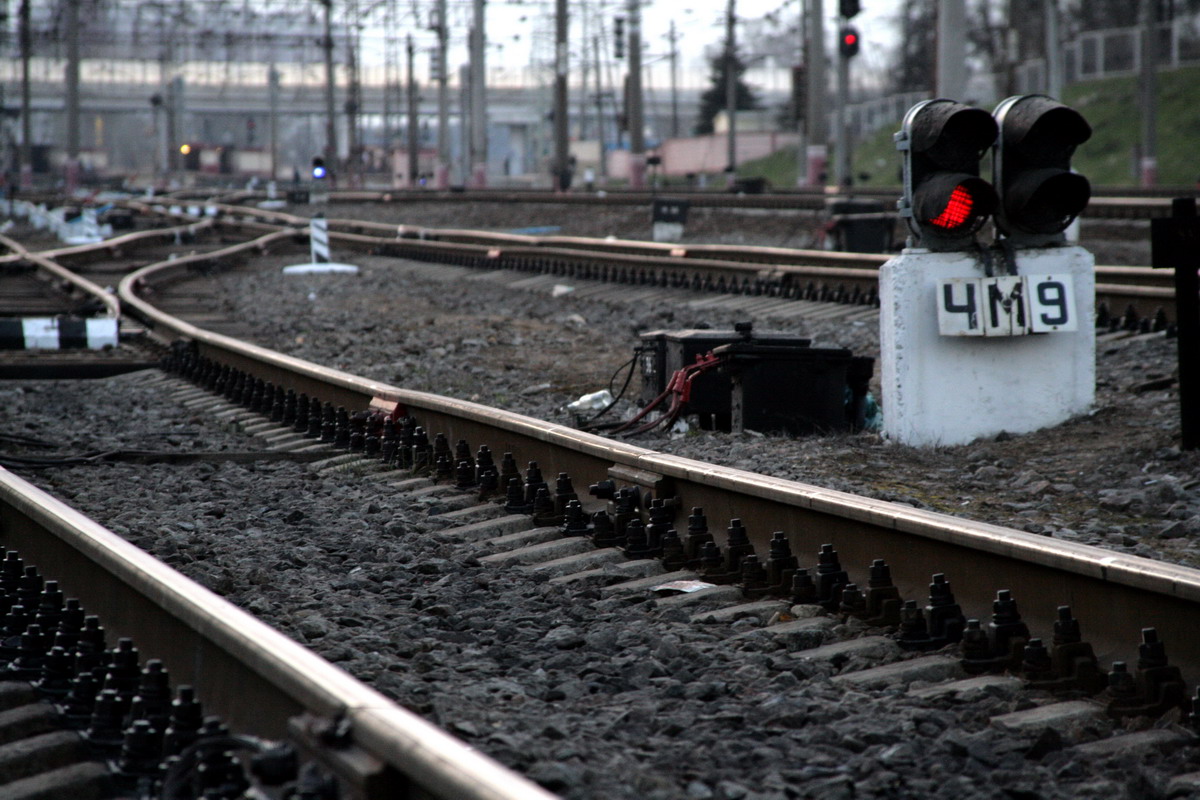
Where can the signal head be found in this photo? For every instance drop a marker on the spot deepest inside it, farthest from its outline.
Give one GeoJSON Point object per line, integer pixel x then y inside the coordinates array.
{"type": "Point", "coordinates": [1031, 166]}
{"type": "Point", "coordinates": [945, 201]}
{"type": "Point", "coordinates": [848, 41]}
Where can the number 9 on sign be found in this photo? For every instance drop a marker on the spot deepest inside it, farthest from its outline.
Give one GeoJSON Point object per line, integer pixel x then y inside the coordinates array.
{"type": "Point", "coordinates": [1006, 305]}
{"type": "Point", "coordinates": [1051, 303]}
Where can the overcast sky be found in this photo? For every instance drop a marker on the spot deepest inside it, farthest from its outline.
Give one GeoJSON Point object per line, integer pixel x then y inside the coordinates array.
{"type": "Point", "coordinates": [519, 31]}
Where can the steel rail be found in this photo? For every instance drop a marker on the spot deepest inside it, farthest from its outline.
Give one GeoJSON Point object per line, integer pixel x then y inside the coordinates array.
{"type": "Point", "coordinates": [112, 306]}
{"type": "Point", "coordinates": [1144, 290]}
{"type": "Point", "coordinates": [258, 680]}
{"type": "Point", "coordinates": [1106, 202]}
{"type": "Point", "coordinates": [1115, 594]}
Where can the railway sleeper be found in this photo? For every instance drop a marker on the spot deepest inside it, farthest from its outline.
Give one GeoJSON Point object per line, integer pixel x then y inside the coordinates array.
{"type": "Point", "coordinates": [630, 549]}
{"type": "Point", "coordinates": [82, 719]}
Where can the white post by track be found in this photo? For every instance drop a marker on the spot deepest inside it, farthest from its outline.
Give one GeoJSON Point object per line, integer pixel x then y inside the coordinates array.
{"type": "Point", "coordinates": [319, 237]}
{"type": "Point", "coordinates": [965, 356]}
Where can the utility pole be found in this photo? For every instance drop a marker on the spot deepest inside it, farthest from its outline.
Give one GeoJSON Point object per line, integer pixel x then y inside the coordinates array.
{"type": "Point", "coordinates": [562, 179]}
{"type": "Point", "coordinates": [442, 172]}
{"type": "Point", "coordinates": [464, 124]}
{"type": "Point", "coordinates": [637, 127]}
{"type": "Point", "coordinates": [1148, 95]}
{"type": "Point", "coordinates": [730, 93]}
{"type": "Point", "coordinates": [818, 133]}
{"type": "Point", "coordinates": [72, 98]}
{"type": "Point", "coordinates": [601, 133]}
{"type": "Point", "coordinates": [673, 37]}
{"type": "Point", "coordinates": [951, 49]}
{"type": "Point", "coordinates": [331, 144]}
{"type": "Point", "coordinates": [584, 68]}
{"type": "Point", "coordinates": [353, 103]}
{"type": "Point", "coordinates": [413, 145]}
{"type": "Point", "coordinates": [273, 89]}
{"type": "Point", "coordinates": [479, 143]}
{"type": "Point", "coordinates": [26, 36]}
{"type": "Point", "coordinates": [1054, 60]}
{"type": "Point", "coordinates": [842, 165]}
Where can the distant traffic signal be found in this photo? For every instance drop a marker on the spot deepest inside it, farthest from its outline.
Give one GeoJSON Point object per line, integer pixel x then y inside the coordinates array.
{"type": "Point", "coordinates": [945, 201]}
{"type": "Point", "coordinates": [848, 41]}
{"type": "Point", "coordinates": [619, 37]}
{"type": "Point", "coordinates": [318, 168]}
{"type": "Point", "coordinates": [1031, 168]}
{"type": "Point", "coordinates": [848, 8]}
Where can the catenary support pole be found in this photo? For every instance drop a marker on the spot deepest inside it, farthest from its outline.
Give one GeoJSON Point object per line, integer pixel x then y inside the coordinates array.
{"type": "Point", "coordinates": [562, 179]}
{"type": "Point", "coordinates": [1148, 95]}
{"type": "Point", "coordinates": [637, 127]}
{"type": "Point", "coordinates": [818, 129]}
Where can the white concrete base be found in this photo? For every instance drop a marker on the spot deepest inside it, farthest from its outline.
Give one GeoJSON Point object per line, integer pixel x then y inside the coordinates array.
{"type": "Point", "coordinates": [949, 390]}
{"type": "Point", "coordinates": [317, 268]}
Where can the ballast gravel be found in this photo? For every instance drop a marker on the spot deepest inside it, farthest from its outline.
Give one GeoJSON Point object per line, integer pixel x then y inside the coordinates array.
{"type": "Point", "coordinates": [592, 696]}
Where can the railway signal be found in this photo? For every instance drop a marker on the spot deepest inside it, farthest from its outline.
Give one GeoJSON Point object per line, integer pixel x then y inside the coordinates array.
{"type": "Point", "coordinates": [1039, 194]}
{"type": "Point", "coordinates": [318, 169]}
{"type": "Point", "coordinates": [848, 41]}
{"type": "Point", "coordinates": [945, 201]}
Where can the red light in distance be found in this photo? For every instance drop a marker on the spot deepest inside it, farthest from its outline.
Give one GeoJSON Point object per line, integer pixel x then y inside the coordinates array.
{"type": "Point", "coordinates": [850, 38]}
{"type": "Point", "coordinates": [957, 211]}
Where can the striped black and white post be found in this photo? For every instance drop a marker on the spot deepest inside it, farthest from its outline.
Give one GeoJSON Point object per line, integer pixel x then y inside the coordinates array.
{"type": "Point", "coordinates": [57, 333]}
{"type": "Point", "coordinates": [318, 234]}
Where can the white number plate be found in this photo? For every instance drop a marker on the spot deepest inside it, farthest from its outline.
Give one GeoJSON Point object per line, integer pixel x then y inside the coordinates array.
{"type": "Point", "coordinates": [1013, 305]}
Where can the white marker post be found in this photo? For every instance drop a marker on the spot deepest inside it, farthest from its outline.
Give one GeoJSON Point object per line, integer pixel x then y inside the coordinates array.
{"type": "Point", "coordinates": [318, 237]}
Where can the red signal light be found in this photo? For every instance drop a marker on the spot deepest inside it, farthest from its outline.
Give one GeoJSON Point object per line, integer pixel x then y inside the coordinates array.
{"type": "Point", "coordinates": [957, 211]}
{"type": "Point", "coordinates": [848, 41]}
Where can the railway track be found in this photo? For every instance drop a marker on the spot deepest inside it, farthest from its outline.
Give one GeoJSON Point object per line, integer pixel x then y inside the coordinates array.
{"type": "Point", "coordinates": [1115, 595]}
{"type": "Point", "coordinates": [1129, 298]}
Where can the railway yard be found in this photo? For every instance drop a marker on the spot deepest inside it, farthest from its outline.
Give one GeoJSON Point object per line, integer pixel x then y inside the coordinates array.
{"type": "Point", "coordinates": [566, 663]}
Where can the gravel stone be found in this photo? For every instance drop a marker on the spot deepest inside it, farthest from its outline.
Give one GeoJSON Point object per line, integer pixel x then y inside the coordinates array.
{"type": "Point", "coordinates": [612, 698]}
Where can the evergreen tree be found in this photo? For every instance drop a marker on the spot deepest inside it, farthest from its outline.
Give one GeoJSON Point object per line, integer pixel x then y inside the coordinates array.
{"type": "Point", "coordinates": [712, 101]}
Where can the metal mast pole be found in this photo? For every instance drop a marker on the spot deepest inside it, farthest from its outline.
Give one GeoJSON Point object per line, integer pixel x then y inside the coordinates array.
{"type": "Point", "coordinates": [273, 88]}
{"type": "Point", "coordinates": [601, 133]}
{"type": "Point", "coordinates": [637, 132]}
{"type": "Point", "coordinates": [1054, 61]}
{"type": "Point", "coordinates": [478, 98]}
{"type": "Point", "coordinates": [730, 94]}
{"type": "Point", "coordinates": [72, 98]}
{"type": "Point", "coordinates": [442, 178]}
{"type": "Point", "coordinates": [674, 37]}
{"type": "Point", "coordinates": [951, 49]}
{"type": "Point", "coordinates": [414, 166]}
{"type": "Point", "coordinates": [561, 146]}
{"type": "Point", "coordinates": [353, 102]}
{"type": "Point", "coordinates": [818, 135]}
{"type": "Point", "coordinates": [1148, 95]}
{"type": "Point", "coordinates": [843, 122]}
{"type": "Point", "coordinates": [26, 35]}
{"type": "Point", "coordinates": [331, 143]}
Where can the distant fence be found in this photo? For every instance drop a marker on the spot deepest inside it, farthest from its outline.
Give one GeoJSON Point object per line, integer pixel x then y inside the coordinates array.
{"type": "Point", "coordinates": [1109, 53]}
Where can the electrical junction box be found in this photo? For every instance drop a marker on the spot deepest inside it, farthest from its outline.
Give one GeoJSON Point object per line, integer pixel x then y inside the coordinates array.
{"type": "Point", "coordinates": [795, 391]}
{"type": "Point", "coordinates": [768, 382]}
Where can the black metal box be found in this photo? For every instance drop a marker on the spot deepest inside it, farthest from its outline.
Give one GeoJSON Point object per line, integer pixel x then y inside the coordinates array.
{"type": "Point", "coordinates": [665, 352]}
